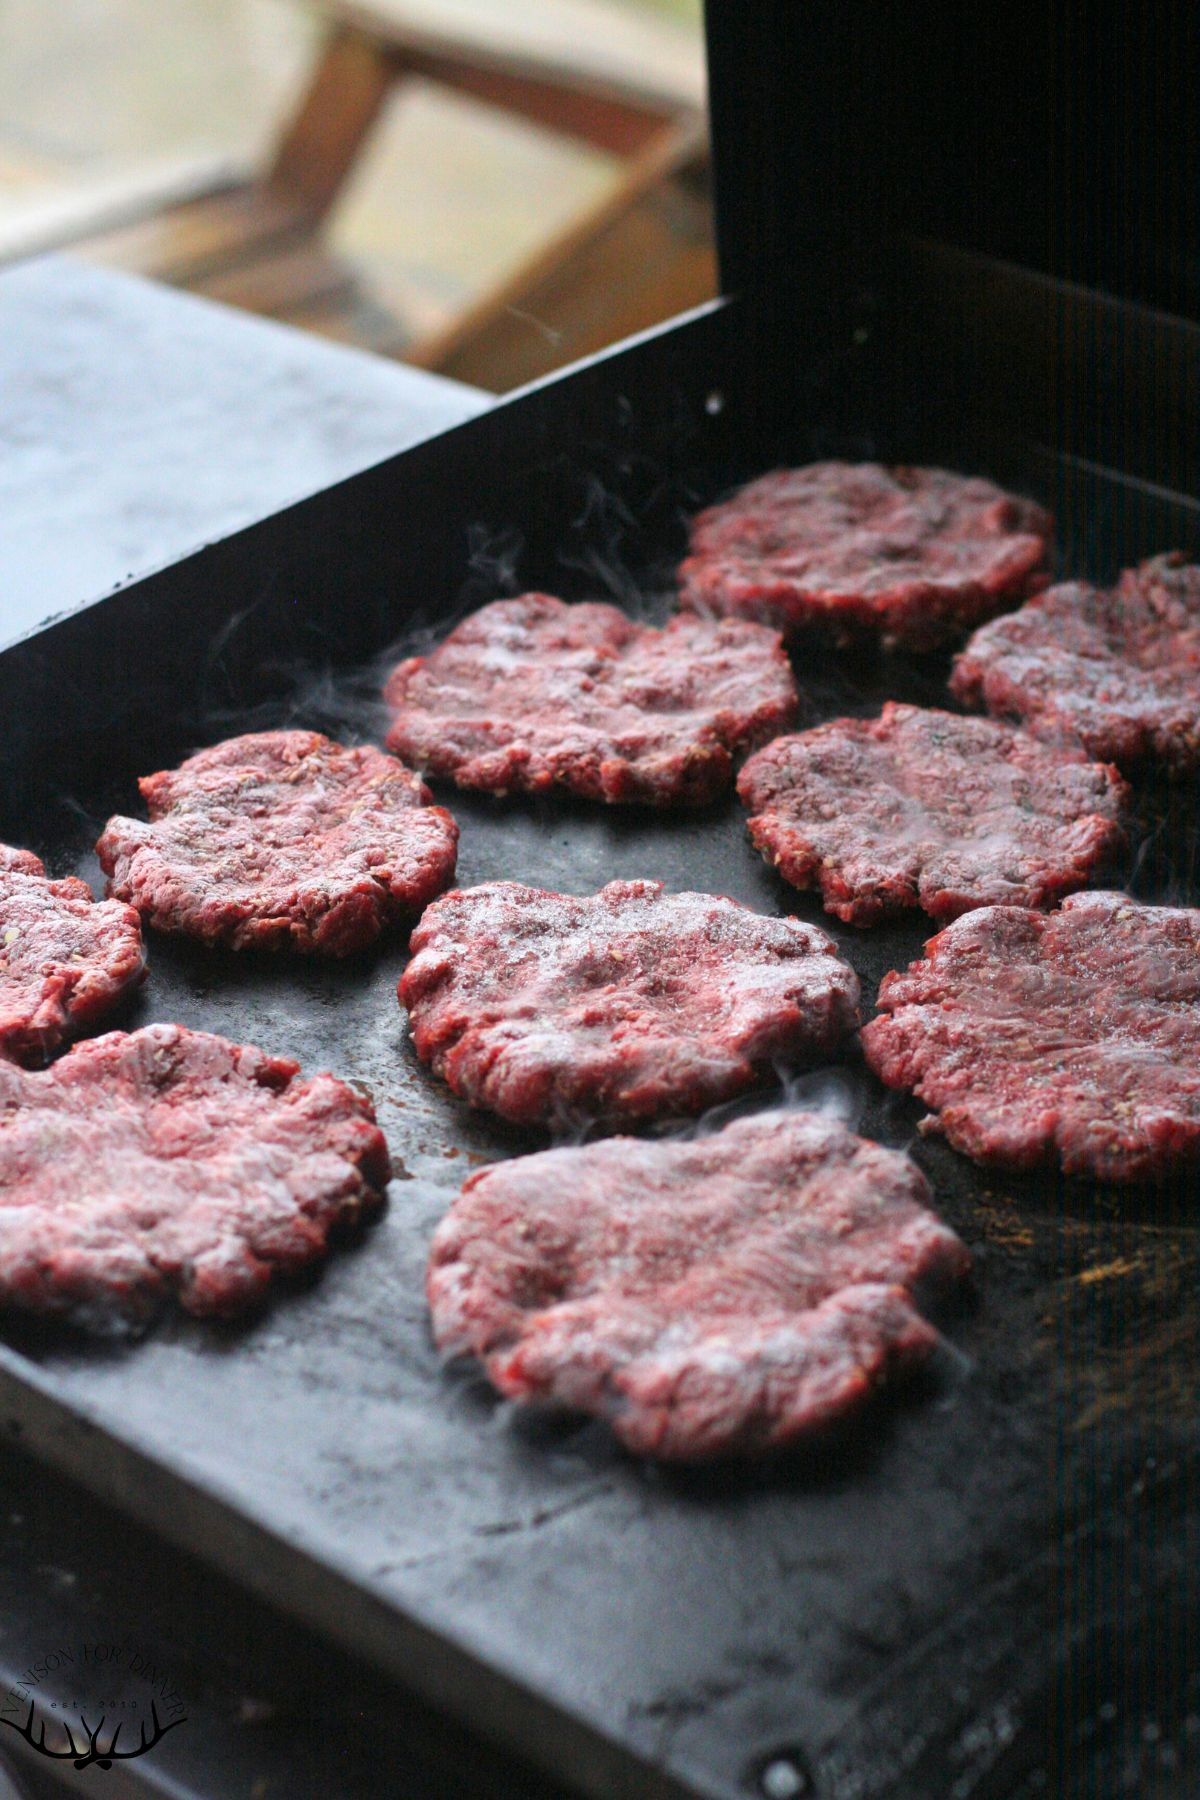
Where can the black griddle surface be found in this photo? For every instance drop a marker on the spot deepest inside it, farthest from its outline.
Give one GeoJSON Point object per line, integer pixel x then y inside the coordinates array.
{"type": "Point", "coordinates": [910, 1601]}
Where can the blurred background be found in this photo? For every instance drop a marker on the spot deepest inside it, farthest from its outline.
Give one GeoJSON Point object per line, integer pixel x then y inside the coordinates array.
{"type": "Point", "coordinates": [488, 188]}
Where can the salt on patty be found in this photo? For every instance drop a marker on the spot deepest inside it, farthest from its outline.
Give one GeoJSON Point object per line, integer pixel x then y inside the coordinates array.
{"type": "Point", "coordinates": [717, 1297]}
{"type": "Point", "coordinates": [628, 1004]}
{"type": "Point", "coordinates": [925, 808]}
{"type": "Point", "coordinates": [915, 555]}
{"type": "Point", "coordinates": [167, 1162]}
{"type": "Point", "coordinates": [1116, 671]}
{"type": "Point", "coordinates": [282, 840]}
{"type": "Point", "coordinates": [532, 694]}
{"type": "Point", "coordinates": [1071, 1037]}
{"type": "Point", "coordinates": [66, 960]}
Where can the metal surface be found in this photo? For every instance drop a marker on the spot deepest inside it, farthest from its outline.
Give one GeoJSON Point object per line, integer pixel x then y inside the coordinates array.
{"type": "Point", "coordinates": [137, 422]}
{"type": "Point", "coordinates": [1062, 136]}
{"type": "Point", "coordinates": [988, 1590]}
{"type": "Point", "coordinates": [273, 1712]}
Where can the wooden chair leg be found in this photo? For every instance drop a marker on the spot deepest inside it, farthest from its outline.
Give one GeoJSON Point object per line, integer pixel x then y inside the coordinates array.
{"type": "Point", "coordinates": [186, 243]}
{"type": "Point", "coordinates": [643, 252]}
{"type": "Point", "coordinates": [605, 121]}
{"type": "Point", "coordinates": [319, 148]}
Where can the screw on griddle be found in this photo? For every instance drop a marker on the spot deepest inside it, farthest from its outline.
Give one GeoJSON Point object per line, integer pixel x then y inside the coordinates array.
{"type": "Point", "coordinates": [783, 1778]}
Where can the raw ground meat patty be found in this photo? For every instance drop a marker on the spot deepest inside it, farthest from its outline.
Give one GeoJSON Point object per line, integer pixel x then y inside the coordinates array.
{"type": "Point", "coordinates": [924, 808]}
{"type": "Point", "coordinates": [1073, 1036]}
{"type": "Point", "coordinates": [623, 1005]}
{"type": "Point", "coordinates": [916, 554]}
{"type": "Point", "coordinates": [282, 840]}
{"type": "Point", "coordinates": [1117, 672]}
{"type": "Point", "coordinates": [65, 959]}
{"type": "Point", "coordinates": [533, 694]}
{"type": "Point", "coordinates": [165, 1160]}
{"type": "Point", "coordinates": [725, 1295]}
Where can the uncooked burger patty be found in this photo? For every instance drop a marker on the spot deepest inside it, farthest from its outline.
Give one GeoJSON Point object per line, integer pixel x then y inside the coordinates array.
{"type": "Point", "coordinates": [282, 840]}
{"type": "Point", "coordinates": [915, 554]}
{"type": "Point", "coordinates": [532, 694]}
{"type": "Point", "coordinates": [65, 959]}
{"type": "Point", "coordinates": [1116, 671]}
{"type": "Point", "coordinates": [1070, 1037]}
{"type": "Point", "coordinates": [721, 1296]}
{"type": "Point", "coordinates": [623, 1005]}
{"type": "Point", "coordinates": [169, 1161]}
{"type": "Point", "coordinates": [924, 808]}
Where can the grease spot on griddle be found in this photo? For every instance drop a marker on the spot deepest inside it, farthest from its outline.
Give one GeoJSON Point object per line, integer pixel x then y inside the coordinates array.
{"type": "Point", "coordinates": [784, 1778]}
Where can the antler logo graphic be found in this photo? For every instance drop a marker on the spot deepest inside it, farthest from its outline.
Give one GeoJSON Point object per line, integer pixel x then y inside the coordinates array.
{"type": "Point", "coordinates": [89, 1753]}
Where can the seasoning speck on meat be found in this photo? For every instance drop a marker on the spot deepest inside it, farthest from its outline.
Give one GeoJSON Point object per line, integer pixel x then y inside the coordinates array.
{"type": "Point", "coordinates": [624, 1005]}
{"type": "Point", "coordinates": [1118, 672]}
{"type": "Point", "coordinates": [716, 1297]}
{"type": "Point", "coordinates": [534, 694]}
{"type": "Point", "coordinates": [1070, 1037]}
{"type": "Point", "coordinates": [65, 959]}
{"type": "Point", "coordinates": [924, 808]}
{"type": "Point", "coordinates": [917, 555]}
{"type": "Point", "coordinates": [282, 840]}
{"type": "Point", "coordinates": [170, 1161]}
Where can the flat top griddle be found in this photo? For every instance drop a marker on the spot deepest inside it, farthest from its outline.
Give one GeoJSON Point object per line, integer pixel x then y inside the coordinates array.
{"type": "Point", "coordinates": [978, 1588]}
{"type": "Point", "coordinates": [989, 1592]}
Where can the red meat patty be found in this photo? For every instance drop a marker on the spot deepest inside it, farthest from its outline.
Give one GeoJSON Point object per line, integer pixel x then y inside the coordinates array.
{"type": "Point", "coordinates": [532, 694]}
{"type": "Point", "coordinates": [282, 840]}
{"type": "Point", "coordinates": [623, 1005]}
{"type": "Point", "coordinates": [1072, 1037]}
{"type": "Point", "coordinates": [1117, 672]}
{"type": "Point", "coordinates": [173, 1161]}
{"type": "Point", "coordinates": [924, 808]}
{"type": "Point", "coordinates": [722, 1296]}
{"type": "Point", "coordinates": [65, 959]}
{"type": "Point", "coordinates": [918, 555]}
{"type": "Point", "coordinates": [165, 1160]}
